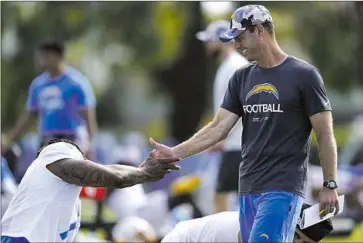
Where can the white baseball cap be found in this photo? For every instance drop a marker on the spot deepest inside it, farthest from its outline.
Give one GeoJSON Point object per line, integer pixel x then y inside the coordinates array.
{"type": "Point", "coordinates": [213, 31]}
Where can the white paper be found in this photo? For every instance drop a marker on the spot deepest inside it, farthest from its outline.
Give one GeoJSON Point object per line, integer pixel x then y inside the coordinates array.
{"type": "Point", "coordinates": [311, 215]}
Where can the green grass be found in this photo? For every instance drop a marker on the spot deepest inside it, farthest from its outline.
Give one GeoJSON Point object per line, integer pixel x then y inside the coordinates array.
{"type": "Point", "coordinates": [89, 210]}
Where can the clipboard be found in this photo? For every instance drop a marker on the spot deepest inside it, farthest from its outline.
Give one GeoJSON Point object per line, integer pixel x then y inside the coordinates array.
{"type": "Point", "coordinates": [311, 215]}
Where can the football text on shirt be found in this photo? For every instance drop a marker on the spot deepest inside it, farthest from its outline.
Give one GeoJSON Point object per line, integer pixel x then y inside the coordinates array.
{"type": "Point", "coordinates": [263, 108]}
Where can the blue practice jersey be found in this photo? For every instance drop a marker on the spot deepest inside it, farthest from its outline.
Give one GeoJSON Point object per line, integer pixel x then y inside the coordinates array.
{"type": "Point", "coordinates": [59, 100]}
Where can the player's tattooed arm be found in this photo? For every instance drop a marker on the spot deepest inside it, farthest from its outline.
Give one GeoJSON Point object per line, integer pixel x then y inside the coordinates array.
{"type": "Point", "coordinates": [88, 173]}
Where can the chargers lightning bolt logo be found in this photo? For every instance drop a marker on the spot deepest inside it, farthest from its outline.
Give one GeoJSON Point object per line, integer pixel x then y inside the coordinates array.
{"type": "Point", "coordinates": [266, 87]}
{"type": "Point", "coordinates": [264, 236]}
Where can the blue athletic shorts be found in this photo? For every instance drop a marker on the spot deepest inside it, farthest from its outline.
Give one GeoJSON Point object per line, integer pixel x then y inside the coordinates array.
{"type": "Point", "coordinates": [269, 217]}
{"type": "Point", "coordinates": [9, 239]}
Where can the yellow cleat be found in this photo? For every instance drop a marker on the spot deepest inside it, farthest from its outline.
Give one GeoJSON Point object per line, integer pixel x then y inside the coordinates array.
{"type": "Point", "coordinates": [185, 184]}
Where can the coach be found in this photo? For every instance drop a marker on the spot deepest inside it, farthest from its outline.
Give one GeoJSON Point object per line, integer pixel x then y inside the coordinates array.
{"type": "Point", "coordinates": [280, 99]}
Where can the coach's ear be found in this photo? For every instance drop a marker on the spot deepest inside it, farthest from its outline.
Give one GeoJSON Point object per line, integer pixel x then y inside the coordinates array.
{"type": "Point", "coordinates": [260, 30]}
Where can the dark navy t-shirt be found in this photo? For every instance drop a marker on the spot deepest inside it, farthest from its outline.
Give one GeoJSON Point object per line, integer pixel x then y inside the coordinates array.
{"type": "Point", "coordinates": [275, 105]}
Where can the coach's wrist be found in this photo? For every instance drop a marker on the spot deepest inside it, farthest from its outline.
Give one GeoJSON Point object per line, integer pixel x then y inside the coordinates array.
{"type": "Point", "coordinates": [330, 184]}
{"type": "Point", "coordinates": [176, 151]}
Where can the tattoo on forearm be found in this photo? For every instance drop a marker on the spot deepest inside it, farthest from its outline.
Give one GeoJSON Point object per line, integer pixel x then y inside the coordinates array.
{"type": "Point", "coordinates": [87, 173]}
{"type": "Point", "coordinates": [129, 176]}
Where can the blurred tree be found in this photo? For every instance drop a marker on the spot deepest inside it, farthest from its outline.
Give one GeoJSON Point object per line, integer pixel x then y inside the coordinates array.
{"type": "Point", "coordinates": [165, 46]}
{"type": "Point", "coordinates": [158, 34]}
{"type": "Point", "coordinates": [359, 52]}
{"type": "Point", "coordinates": [186, 79]}
{"type": "Point", "coordinates": [332, 35]}
{"type": "Point", "coordinates": [160, 37]}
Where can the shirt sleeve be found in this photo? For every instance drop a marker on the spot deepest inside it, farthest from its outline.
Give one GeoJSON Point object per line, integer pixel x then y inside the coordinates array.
{"type": "Point", "coordinates": [58, 151]}
{"type": "Point", "coordinates": [55, 152]}
{"type": "Point", "coordinates": [86, 96]}
{"type": "Point", "coordinates": [315, 98]}
{"type": "Point", "coordinates": [231, 100]}
{"type": "Point", "coordinates": [32, 100]}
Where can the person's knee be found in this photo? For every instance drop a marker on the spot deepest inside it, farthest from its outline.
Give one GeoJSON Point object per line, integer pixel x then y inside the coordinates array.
{"type": "Point", "coordinates": [221, 202]}
{"type": "Point", "coordinates": [221, 195]}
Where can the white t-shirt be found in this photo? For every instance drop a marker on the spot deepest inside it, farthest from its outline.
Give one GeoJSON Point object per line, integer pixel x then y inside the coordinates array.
{"type": "Point", "coordinates": [221, 227]}
{"type": "Point", "coordinates": [45, 208]}
{"type": "Point", "coordinates": [224, 73]}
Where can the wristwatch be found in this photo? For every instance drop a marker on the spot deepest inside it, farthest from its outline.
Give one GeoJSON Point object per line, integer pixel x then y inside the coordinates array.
{"type": "Point", "coordinates": [331, 184]}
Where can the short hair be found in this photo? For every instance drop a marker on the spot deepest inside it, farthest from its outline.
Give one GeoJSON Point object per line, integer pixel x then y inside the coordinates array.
{"type": "Point", "coordinates": [57, 140]}
{"type": "Point", "coordinates": [53, 46]}
{"type": "Point", "coordinates": [269, 27]}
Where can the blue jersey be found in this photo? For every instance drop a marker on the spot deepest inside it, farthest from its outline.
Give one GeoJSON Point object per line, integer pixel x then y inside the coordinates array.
{"type": "Point", "coordinates": [59, 100]}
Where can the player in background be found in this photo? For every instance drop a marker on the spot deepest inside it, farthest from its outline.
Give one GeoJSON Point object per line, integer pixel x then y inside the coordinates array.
{"type": "Point", "coordinates": [224, 227]}
{"type": "Point", "coordinates": [46, 206]}
{"type": "Point", "coordinates": [229, 61]}
{"type": "Point", "coordinates": [61, 98]}
{"type": "Point", "coordinates": [280, 99]}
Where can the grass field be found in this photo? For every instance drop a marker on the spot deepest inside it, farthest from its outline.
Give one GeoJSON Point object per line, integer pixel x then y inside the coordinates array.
{"type": "Point", "coordinates": [355, 236]}
{"type": "Point", "coordinates": [89, 210]}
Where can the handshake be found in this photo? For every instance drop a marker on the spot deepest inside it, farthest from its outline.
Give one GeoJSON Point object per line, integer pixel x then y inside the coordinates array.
{"type": "Point", "coordinates": [160, 162]}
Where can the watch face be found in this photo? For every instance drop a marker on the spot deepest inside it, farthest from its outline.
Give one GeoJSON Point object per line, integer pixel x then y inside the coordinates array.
{"type": "Point", "coordinates": [331, 184]}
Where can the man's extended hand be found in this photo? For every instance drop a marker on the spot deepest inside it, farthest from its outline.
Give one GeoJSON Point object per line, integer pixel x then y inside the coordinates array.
{"type": "Point", "coordinates": [157, 168]}
{"type": "Point", "coordinates": [328, 199]}
{"type": "Point", "coordinates": [161, 151]}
